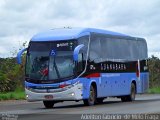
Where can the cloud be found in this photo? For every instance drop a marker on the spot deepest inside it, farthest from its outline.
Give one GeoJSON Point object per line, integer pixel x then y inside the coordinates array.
{"type": "Point", "coordinates": [20, 20]}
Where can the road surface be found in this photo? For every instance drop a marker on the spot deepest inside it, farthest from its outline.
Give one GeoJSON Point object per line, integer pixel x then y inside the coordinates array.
{"type": "Point", "coordinates": [23, 110]}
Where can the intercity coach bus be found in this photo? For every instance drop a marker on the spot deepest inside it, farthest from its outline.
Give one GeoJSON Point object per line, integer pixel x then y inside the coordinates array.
{"type": "Point", "coordinates": [73, 64]}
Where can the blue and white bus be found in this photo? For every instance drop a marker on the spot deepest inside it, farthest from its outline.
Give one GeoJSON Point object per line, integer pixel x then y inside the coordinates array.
{"type": "Point", "coordinates": [73, 64]}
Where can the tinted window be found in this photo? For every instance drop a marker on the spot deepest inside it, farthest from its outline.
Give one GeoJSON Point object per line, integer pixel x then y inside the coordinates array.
{"type": "Point", "coordinates": [95, 49]}
{"type": "Point", "coordinates": [84, 40]}
{"type": "Point", "coordinates": [104, 47]}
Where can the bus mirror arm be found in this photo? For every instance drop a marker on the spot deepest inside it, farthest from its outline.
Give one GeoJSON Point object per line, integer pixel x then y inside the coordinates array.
{"type": "Point", "coordinates": [19, 60]}
{"type": "Point", "coordinates": [76, 52]}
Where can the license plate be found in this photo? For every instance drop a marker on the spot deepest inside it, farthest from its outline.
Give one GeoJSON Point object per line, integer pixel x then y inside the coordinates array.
{"type": "Point", "coordinates": [48, 97]}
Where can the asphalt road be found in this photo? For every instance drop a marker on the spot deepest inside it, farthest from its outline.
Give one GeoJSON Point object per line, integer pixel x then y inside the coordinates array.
{"type": "Point", "coordinates": [22, 110]}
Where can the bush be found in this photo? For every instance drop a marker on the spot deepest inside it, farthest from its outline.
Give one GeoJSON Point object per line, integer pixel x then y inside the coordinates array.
{"type": "Point", "coordinates": [154, 72]}
{"type": "Point", "coordinates": [10, 74]}
{"type": "Point", "coordinates": [6, 84]}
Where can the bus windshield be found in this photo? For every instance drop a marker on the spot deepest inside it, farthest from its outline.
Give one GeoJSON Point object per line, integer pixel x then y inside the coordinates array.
{"type": "Point", "coordinates": [41, 65]}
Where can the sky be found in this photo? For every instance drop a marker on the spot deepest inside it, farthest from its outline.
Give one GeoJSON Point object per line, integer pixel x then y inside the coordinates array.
{"type": "Point", "coordinates": [21, 19]}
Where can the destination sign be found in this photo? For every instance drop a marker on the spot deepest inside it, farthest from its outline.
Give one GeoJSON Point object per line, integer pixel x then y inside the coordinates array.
{"type": "Point", "coordinates": [67, 45]}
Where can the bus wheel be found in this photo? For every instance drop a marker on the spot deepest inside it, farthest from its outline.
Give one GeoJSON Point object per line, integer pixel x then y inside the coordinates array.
{"type": "Point", "coordinates": [124, 98]}
{"type": "Point", "coordinates": [92, 97]}
{"type": "Point", "coordinates": [48, 104]}
{"type": "Point", "coordinates": [132, 95]}
{"type": "Point", "coordinates": [99, 100]}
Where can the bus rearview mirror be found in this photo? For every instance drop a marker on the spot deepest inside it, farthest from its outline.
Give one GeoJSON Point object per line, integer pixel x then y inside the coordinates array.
{"type": "Point", "coordinates": [76, 52]}
{"type": "Point", "coordinates": [19, 60]}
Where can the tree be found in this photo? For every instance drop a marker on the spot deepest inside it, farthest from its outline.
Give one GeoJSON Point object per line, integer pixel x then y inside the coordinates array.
{"type": "Point", "coordinates": [11, 74]}
{"type": "Point", "coordinates": [154, 71]}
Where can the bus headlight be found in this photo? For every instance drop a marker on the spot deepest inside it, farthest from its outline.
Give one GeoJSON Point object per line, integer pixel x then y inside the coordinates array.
{"type": "Point", "coordinates": [72, 94]}
{"type": "Point", "coordinates": [27, 96]}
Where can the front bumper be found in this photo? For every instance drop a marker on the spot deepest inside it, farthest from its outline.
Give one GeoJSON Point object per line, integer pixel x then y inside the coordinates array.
{"type": "Point", "coordinates": [73, 93]}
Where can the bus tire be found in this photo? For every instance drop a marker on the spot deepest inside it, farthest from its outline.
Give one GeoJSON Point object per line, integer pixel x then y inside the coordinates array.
{"type": "Point", "coordinates": [124, 98]}
{"type": "Point", "coordinates": [99, 100]}
{"type": "Point", "coordinates": [48, 104]}
{"type": "Point", "coordinates": [92, 97]}
{"type": "Point", "coordinates": [132, 95]}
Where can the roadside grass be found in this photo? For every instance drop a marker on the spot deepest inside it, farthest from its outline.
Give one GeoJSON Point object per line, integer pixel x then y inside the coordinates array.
{"type": "Point", "coordinates": [155, 90]}
{"type": "Point", "coordinates": [18, 94]}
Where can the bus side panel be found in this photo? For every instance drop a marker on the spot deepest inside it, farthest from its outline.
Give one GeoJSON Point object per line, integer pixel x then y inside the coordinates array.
{"type": "Point", "coordinates": [143, 82]}
{"type": "Point", "coordinates": [109, 84]}
{"type": "Point", "coordinates": [121, 84]}
{"type": "Point", "coordinates": [115, 84]}
{"type": "Point", "coordinates": [105, 86]}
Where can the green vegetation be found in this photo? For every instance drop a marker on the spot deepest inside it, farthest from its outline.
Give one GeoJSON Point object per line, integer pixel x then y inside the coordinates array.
{"type": "Point", "coordinates": [11, 75]}
{"type": "Point", "coordinates": [154, 72]}
{"type": "Point", "coordinates": [11, 80]}
{"type": "Point", "coordinates": [155, 90]}
{"type": "Point", "coordinates": [154, 75]}
{"type": "Point", "coordinates": [15, 95]}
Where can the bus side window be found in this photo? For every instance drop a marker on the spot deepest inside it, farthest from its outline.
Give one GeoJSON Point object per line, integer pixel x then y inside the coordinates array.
{"type": "Point", "coordinates": [95, 49]}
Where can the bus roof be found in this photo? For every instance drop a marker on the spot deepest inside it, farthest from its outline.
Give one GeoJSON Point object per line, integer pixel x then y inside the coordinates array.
{"type": "Point", "coordinates": [70, 33]}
